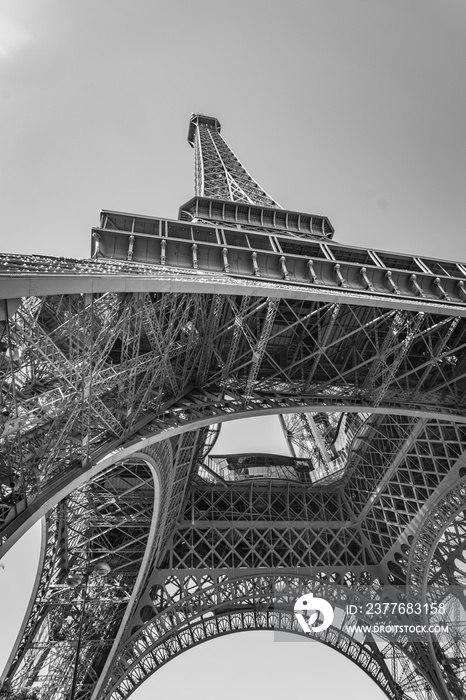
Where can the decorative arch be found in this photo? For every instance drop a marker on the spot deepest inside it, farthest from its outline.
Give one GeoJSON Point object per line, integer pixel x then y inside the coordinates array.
{"type": "Point", "coordinates": [67, 589]}
{"type": "Point", "coordinates": [436, 570]}
{"type": "Point", "coordinates": [205, 411]}
{"type": "Point", "coordinates": [254, 601]}
{"type": "Point", "coordinates": [168, 468]}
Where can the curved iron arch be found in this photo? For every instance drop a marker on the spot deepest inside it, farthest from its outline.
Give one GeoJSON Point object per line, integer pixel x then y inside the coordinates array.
{"type": "Point", "coordinates": [48, 591]}
{"type": "Point", "coordinates": [432, 545]}
{"type": "Point", "coordinates": [242, 604]}
{"type": "Point", "coordinates": [180, 422]}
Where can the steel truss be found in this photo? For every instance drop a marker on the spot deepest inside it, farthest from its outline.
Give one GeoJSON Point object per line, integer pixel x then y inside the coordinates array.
{"type": "Point", "coordinates": [218, 173]}
{"type": "Point", "coordinates": [115, 375]}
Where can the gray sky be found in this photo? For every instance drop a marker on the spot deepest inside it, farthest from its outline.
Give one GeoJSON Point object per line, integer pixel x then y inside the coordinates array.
{"type": "Point", "coordinates": [350, 108]}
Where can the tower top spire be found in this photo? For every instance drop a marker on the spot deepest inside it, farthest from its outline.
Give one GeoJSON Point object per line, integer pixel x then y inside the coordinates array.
{"type": "Point", "coordinates": [198, 119]}
{"type": "Point", "coordinates": [218, 172]}
{"type": "Point", "coordinates": [220, 181]}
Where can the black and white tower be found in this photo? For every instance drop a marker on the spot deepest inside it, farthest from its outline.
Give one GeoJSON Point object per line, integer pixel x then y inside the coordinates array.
{"type": "Point", "coordinates": [116, 374]}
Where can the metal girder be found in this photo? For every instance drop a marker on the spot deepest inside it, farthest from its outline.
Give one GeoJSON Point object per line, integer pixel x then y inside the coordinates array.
{"type": "Point", "coordinates": [436, 558]}
{"type": "Point", "coordinates": [209, 350]}
{"type": "Point", "coordinates": [99, 276]}
{"type": "Point", "coordinates": [237, 332]}
{"type": "Point", "coordinates": [108, 520]}
{"type": "Point", "coordinates": [261, 347]}
{"type": "Point", "coordinates": [392, 352]}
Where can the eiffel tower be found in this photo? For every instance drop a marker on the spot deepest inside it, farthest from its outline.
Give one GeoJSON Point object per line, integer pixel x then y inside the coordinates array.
{"type": "Point", "coordinates": [116, 375]}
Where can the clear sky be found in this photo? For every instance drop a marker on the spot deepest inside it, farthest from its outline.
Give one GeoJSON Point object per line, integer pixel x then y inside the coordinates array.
{"type": "Point", "coordinates": [355, 109]}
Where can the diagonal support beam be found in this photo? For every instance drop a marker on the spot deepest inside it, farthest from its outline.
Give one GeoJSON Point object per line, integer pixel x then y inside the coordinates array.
{"type": "Point", "coordinates": [261, 346]}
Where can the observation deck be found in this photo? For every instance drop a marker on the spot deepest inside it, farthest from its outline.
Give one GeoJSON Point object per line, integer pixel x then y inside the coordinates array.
{"type": "Point", "coordinates": [198, 119]}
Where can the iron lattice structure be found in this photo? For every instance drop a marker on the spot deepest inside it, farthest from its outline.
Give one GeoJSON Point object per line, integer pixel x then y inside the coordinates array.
{"type": "Point", "coordinates": [116, 374]}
